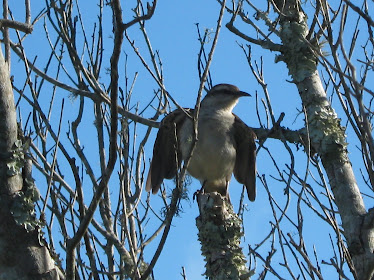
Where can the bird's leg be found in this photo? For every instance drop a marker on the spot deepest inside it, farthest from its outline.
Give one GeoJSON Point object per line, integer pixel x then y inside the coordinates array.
{"type": "Point", "coordinates": [227, 192]}
{"type": "Point", "coordinates": [198, 191]}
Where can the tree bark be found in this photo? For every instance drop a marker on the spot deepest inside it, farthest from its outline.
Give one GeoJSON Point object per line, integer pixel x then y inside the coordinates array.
{"type": "Point", "coordinates": [328, 140]}
{"type": "Point", "coordinates": [220, 232]}
{"type": "Point", "coordinates": [22, 254]}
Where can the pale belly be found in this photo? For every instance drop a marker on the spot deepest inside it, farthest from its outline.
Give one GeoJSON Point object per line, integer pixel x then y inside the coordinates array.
{"type": "Point", "coordinates": [213, 159]}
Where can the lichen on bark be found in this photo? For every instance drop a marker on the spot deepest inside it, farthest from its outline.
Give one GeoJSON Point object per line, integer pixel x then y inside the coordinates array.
{"type": "Point", "coordinates": [220, 233]}
{"type": "Point", "coordinates": [296, 52]}
{"type": "Point", "coordinates": [331, 139]}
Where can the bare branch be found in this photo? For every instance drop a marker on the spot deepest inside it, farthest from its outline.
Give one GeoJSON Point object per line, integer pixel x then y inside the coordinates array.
{"type": "Point", "coordinates": [20, 26]}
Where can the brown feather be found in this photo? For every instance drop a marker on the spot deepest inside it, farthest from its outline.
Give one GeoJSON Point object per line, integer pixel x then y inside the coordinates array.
{"type": "Point", "coordinates": [166, 155]}
{"type": "Point", "coordinates": [245, 163]}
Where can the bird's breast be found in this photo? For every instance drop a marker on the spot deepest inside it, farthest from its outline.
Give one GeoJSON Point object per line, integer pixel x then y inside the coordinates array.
{"type": "Point", "coordinates": [213, 158]}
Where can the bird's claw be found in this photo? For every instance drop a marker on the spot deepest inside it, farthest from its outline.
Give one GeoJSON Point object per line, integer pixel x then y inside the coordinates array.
{"type": "Point", "coordinates": [197, 193]}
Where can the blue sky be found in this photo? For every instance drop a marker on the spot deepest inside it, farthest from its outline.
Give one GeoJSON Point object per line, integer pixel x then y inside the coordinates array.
{"type": "Point", "coordinates": [173, 33]}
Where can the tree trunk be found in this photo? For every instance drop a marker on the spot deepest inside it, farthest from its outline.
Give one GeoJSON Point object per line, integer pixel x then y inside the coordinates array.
{"type": "Point", "coordinates": [22, 256]}
{"type": "Point", "coordinates": [220, 232]}
{"type": "Point", "coordinates": [328, 140]}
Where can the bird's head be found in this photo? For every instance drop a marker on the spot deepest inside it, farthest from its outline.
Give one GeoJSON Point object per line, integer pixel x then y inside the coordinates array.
{"type": "Point", "coordinates": [223, 96]}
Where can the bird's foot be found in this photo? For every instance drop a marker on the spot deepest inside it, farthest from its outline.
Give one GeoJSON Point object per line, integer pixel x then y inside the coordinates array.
{"type": "Point", "coordinates": [197, 193]}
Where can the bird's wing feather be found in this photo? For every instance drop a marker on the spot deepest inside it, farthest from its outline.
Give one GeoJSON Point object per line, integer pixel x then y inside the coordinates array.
{"type": "Point", "coordinates": [245, 163]}
{"type": "Point", "coordinates": [166, 154]}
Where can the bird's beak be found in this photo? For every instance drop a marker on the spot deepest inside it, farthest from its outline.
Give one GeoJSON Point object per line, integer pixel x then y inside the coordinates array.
{"type": "Point", "coordinates": [243, 93]}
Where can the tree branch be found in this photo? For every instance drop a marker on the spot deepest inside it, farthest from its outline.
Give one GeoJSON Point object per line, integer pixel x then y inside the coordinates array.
{"type": "Point", "coordinates": [20, 26]}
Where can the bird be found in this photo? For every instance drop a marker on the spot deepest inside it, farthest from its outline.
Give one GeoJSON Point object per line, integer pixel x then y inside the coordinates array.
{"type": "Point", "coordinates": [225, 145]}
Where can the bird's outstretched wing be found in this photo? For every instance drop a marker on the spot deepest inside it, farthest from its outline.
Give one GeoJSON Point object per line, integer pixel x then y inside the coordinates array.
{"type": "Point", "coordinates": [245, 163]}
{"type": "Point", "coordinates": [166, 154]}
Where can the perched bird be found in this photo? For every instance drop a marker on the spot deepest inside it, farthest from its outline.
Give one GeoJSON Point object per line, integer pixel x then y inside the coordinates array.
{"type": "Point", "coordinates": [225, 145]}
